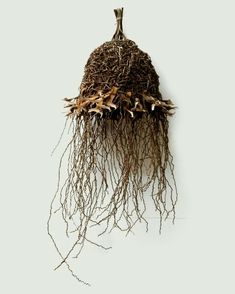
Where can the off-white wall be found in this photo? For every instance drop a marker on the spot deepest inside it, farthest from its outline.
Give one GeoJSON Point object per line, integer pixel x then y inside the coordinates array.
{"type": "Point", "coordinates": [44, 47]}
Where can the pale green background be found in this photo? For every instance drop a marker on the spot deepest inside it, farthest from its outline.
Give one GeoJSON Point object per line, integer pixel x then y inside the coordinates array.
{"type": "Point", "coordinates": [44, 47]}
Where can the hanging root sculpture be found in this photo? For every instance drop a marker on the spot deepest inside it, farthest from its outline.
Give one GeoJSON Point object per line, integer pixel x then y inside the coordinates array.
{"type": "Point", "coordinates": [119, 149]}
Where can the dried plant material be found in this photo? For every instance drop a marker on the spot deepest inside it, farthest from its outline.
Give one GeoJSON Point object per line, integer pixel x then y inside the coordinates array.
{"type": "Point", "coordinates": [119, 149]}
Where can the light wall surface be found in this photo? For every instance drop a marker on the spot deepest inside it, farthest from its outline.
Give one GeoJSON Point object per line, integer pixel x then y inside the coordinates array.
{"type": "Point", "coordinates": [44, 47]}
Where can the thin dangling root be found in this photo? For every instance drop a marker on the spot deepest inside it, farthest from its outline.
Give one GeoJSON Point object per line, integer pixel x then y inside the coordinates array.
{"type": "Point", "coordinates": [111, 164]}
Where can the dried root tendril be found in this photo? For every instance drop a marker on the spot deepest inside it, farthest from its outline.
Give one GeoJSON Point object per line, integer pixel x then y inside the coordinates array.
{"type": "Point", "coordinates": [105, 103]}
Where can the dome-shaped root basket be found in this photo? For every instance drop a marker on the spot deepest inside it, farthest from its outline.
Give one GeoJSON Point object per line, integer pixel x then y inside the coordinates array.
{"type": "Point", "coordinates": [119, 152]}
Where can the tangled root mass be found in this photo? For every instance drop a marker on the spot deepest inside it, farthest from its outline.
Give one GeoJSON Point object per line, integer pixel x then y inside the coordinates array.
{"type": "Point", "coordinates": [119, 149]}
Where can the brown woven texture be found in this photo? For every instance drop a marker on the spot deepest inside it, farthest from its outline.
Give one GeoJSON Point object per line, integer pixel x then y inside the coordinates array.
{"type": "Point", "coordinates": [119, 78]}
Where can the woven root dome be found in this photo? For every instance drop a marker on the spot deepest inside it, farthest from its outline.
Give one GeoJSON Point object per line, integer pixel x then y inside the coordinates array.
{"type": "Point", "coordinates": [119, 149]}
{"type": "Point", "coordinates": [119, 79]}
